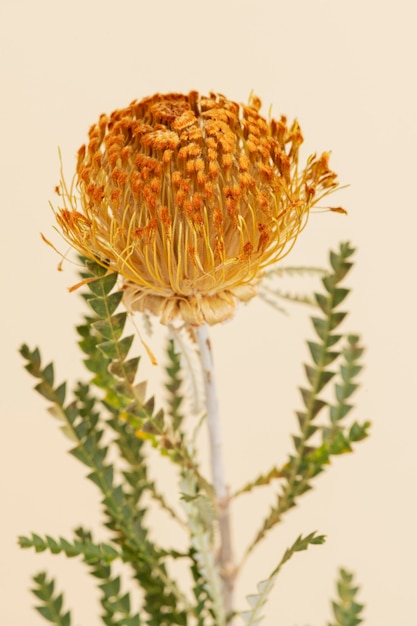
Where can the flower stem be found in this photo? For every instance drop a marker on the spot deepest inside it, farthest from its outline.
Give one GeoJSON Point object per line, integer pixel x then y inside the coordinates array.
{"type": "Point", "coordinates": [225, 556]}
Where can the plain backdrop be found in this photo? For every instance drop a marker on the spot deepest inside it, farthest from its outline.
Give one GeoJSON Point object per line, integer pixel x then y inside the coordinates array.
{"type": "Point", "coordinates": [346, 70]}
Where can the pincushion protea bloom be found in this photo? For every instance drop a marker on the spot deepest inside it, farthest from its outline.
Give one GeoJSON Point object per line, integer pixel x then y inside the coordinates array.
{"type": "Point", "coordinates": [189, 198]}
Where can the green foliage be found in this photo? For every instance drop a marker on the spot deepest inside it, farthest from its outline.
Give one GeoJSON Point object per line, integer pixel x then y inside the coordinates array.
{"type": "Point", "coordinates": [111, 424]}
{"type": "Point", "coordinates": [116, 604]}
{"type": "Point", "coordinates": [82, 423]}
{"type": "Point", "coordinates": [258, 600]}
{"type": "Point", "coordinates": [346, 609]}
{"type": "Point", "coordinates": [92, 553]}
{"type": "Point", "coordinates": [107, 350]}
{"type": "Point", "coordinates": [51, 607]}
{"type": "Point", "coordinates": [174, 385]}
{"type": "Point", "coordinates": [120, 500]}
{"type": "Point", "coordinates": [336, 359]}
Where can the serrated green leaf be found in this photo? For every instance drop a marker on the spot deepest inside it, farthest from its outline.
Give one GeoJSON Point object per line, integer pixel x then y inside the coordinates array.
{"type": "Point", "coordinates": [302, 418]}
{"type": "Point", "coordinates": [320, 355]}
{"type": "Point", "coordinates": [111, 587]}
{"type": "Point", "coordinates": [25, 351]}
{"type": "Point", "coordinates": [358, 432]}
{"type": "Point", "coordinates": [140, 388]}
{"type": "Point", "coordinates": [93, 267]}
{"type": "Point", "coordinates": [108, 475]}
{"type": "Point", "coordinates": [108, 349]}
{"type": "Point", "coordinates": [116, 350]}
{"type": "Point", "coordinates": [318, 378]}
{"type": "Point", "coordinates": [109, 552]}
{"type": "Point", "coordinates": [52, 545]}
{"type": "Point", "coordinates": [81, 455]}
{"type": "Point", "coordinates": [319, 456]}
{"type": "Point", "coordinates": [309, 432]}
{"type": "Point", "coordinates": [104, 307]}
{"type": "Point", "coordinates": [48, 374]}
{"type": "Point", "coordinates": [329, 283]}
{"type": "Point", "coordinates": [159, 418]}
{"type": "Point", "coordinates": [321, 327]}
{"type": "Point", "coordinates": [66, 619]}
{"type": "Point", "coordinates": [353, 339]}
{"type": "Point", "coordinates": [90, 445]}
{"type": "Point", "coordinates": [45, 390]}
{"type": "Point", "coordinates": [24, 542]}
{"type": "Point", "coordinates": [112, 328]}
{"type": "Point", "coordinates": [96, 478]}
{"type": "Point", "coordinates": [104, 285]}
{"type": "Point", "coordinates": [57, 603]}
{"type": "Point", "coordinates": [335, 319]}
{"type": "Point", "coordinates": [57, 412]}
{"type": "Point", "coordinates": [60, 393]}
{"type": "Point", "coordinates": [324, 378]}
{"type": "Point", "coordinates": [113, 301]}
{"type": "Point", "coordinates": [68, 548]}
{"type": "Point", "coordinates": [339, 295]}
{"type": "Point", "coordinates": [126, 370]}
{"type": "Point", "coordinates": [33, 358]}
{"type": "Point", "coordinates": [124, 603]}
{"type": "Point", "coordinates": [42, 594]}
{"type": "Point", "coordinates": [345, 391]}
{"type": "Point", "coordinates": [317, 352]}
{"type": "Point", "coordinates": [323, 302]}
{"type": "Point", "coordinates": [99, 306]}
{"type": "Point", "coordinates": [131, 621]}
{"type": "Point", "coordinates": [69, 433]}
{"type": "Point", "coordinates": [349, 372]}
{"type": "Point", "coordinates": [340, 266]}
{"type": "Point", "coordinates": [313, 404]}
{"type": "Point", "coordinates": [38, 543]}
{"type": "Point", "coordinates": [339, 444]}
{"type": "Point", "coordinates": [298, 442]}
{"type": "Point", "coordinates": [339, 412]}
{"type": "Point", "coordinates": [87, 346]}
{"type": "Point", "coordinates": [46, 612]}
{"type": "Point", "coordinates": [81, 430]}
{"type": "Point", "coordinates": [332, 339]}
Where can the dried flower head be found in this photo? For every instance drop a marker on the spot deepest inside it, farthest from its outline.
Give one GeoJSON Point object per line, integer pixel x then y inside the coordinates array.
{"type": "Point", "coordinates": [189, 198]}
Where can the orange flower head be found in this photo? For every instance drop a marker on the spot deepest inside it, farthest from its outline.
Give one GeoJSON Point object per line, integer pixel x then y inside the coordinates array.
{"type": "Point", "coordinates": [189, 198]}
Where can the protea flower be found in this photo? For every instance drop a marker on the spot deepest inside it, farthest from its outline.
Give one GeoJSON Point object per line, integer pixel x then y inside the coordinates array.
{"type": "Point", "coordinates": [189, 198]}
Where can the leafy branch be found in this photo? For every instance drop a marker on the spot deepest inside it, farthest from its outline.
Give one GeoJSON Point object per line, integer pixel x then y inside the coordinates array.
{"type": "Point", "coordinates": [91, 552]}
{"type": "Point", "coordinates": [80, 422]}
{"type": "Point", "coordinates": [346, 609]}
{"type": "Point", "coordinates": [257, 601]}
{"type": "Point", "coordinates": [51, 607]}
{"type": "Point", "coordinates": [112, 413]}
{"type": "Point", "coordinates": [174, 385]}
{"type": "Point", "coordinates": [98, 556]}
{"type": "Point", "coordinates": [107, 351]}
{"type": "Point", "coordinates": [116, 605]}
{"type": "Point", "coordinates": [310, 459]}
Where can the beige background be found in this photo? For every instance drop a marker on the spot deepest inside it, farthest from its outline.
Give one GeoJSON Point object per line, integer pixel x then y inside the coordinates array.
{"type": "Point", "coordinates": [346, 69]}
